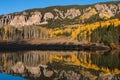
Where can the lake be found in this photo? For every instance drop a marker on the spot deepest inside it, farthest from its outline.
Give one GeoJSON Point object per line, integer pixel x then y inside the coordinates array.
{"type": "Point", "coordinates": [61, 65]}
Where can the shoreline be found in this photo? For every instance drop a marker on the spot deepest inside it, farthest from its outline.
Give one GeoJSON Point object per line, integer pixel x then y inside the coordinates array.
{"type": "Point", "coordinates": [23, 46]}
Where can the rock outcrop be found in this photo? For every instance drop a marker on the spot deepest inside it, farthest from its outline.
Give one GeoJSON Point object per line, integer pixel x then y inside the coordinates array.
{"type": "Point", "coordinates": [18, 20]}
{"type": "Point", "coordinates": [104, 10]}
{"type": "Point", "coordinates": [42, 16]}
{"type": "Point", "coordinates": [34, 19]}
{"type": "Point", "coordinates": [48, 15]}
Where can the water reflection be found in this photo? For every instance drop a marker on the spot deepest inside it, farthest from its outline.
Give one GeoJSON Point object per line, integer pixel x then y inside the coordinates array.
{"type": "Point", "coordinates": [62, 65]}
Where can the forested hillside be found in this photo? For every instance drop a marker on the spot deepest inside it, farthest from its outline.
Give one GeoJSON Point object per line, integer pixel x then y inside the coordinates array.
{"type": "Point", "coordinates": [97, 23]}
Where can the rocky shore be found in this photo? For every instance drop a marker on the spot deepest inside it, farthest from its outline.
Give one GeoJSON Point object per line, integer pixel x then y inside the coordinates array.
{"type": "Point", "coordinates": [45, 72]}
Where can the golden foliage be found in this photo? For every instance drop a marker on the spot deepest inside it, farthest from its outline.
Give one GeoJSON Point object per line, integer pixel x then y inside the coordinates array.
{"type": "Point", "coordinates": [106, 16]}
{"type": "Point", "coordinates": [88, 14]}
{"type": "Point", "coordinates": [87, 29]}
{"type": "Point", "coordinates": [82, 30]}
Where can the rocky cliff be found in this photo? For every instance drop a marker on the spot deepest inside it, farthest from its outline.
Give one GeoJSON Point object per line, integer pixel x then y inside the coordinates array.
{"type": "Point", "coordinates": [79, 14]}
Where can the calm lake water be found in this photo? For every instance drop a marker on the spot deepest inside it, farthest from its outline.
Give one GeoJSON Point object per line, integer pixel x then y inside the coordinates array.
{"type": "Point", "coordinates": [61, 65]}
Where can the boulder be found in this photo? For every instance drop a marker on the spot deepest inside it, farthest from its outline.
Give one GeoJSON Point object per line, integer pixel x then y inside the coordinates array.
{"type": "Point", "coordinates": [18, 68]}
{"type": "Point", "coordinates": [34, 71]}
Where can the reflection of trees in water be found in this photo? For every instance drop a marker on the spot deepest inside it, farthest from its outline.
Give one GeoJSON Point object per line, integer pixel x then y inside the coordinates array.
{"type": "Point", "coordinates": [31, 58]}
{"type": "Point", "coordinates": [106, 62]}
{"type": "Point", "coordinates": [85, 59]}
{"type": "Point", "coordinates": [111, 61]}
{"type": "Point", "coordinates": [89, 60]}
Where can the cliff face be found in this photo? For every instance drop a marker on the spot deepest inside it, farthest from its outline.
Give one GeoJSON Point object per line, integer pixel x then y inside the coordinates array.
{"type": "Point", "coordinates": [43, 16]}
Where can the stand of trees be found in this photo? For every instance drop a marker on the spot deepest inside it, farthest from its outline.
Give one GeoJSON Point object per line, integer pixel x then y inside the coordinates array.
{"type": "Point", "coordinates": [26, 32]}
{"type": "Point", "coordinates": [107, 35]}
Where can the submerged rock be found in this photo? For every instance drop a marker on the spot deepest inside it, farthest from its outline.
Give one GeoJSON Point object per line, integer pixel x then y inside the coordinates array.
{"type": "Point", "coordinates": [48, 73]}
{"type": "Point", "coordinates": [34, 71]}
{"type": "Point", "coordinates": [108, 76]}
{"type": "Point", "coordinates": [18, 68]}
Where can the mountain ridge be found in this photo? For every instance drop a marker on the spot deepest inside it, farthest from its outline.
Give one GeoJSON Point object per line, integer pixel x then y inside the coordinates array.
{"type": "Point", "coordinates": [60, 6]}
{"type": "Point", "coordinates": [42, 16]}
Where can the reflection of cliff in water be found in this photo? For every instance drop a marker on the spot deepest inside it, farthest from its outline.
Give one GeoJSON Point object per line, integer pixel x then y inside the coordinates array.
{"type": "Point", "coordinates": [104, 62]}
